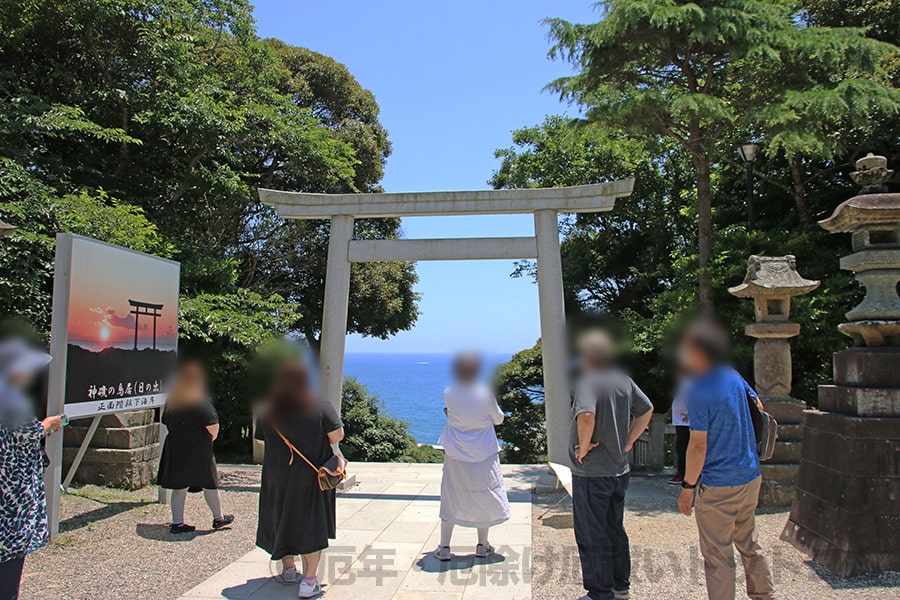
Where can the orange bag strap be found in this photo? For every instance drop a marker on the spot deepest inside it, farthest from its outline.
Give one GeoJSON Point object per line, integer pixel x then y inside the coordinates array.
{"type": "Point", "coordinates": [294, 450]}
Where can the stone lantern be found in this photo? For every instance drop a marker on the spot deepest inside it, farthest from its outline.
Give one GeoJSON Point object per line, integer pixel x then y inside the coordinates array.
{"type": "Point", "coordinates": [846, 513]}
{"type": "Point", "coordinates": [772, 281]}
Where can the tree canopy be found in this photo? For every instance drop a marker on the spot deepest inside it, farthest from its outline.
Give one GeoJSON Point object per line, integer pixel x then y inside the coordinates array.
{"type": "Point", "coordinates": [151, 124]}
{"type": "Point", "coordinates": [706, 75]}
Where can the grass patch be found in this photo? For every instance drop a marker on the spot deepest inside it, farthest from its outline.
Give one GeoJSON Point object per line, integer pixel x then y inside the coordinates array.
{"type": "Point", "coordinates": [64, 540]}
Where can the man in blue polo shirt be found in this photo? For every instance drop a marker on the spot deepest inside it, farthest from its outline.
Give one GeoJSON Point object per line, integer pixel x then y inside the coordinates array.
{"type": "Point", "coordinates": [722, 466]}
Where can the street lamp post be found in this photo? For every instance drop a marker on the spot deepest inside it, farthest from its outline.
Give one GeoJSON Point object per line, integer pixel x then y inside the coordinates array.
{"type": "Point", "coordinates": [748, 154]}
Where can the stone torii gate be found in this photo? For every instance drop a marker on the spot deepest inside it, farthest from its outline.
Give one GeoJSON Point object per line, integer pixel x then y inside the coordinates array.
{"type": "Point", "coordinates": [544, 204]}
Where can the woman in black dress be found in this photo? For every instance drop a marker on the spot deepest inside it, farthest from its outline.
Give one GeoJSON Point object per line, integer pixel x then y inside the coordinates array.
{"type": "Point", "coordinates": [187, 463]}
{"type": "Point", "coordinates": [295, 516]}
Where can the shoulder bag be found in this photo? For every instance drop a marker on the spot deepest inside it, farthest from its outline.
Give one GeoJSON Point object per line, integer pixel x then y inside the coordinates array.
{"type": "Point", "coordinates": [329, 475]}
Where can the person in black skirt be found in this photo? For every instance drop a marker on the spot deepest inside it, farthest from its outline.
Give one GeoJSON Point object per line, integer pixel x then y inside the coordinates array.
{"type": "Point", "coordinates": [295, 516]}
{"type": "Point", "coordinates": [187, 463]}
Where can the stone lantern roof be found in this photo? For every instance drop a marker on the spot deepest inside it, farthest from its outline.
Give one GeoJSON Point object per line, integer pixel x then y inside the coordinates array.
{"type": "Point", "coordinates": [773, 276]}
{"type": "Point", "coordinates": [860, 211]}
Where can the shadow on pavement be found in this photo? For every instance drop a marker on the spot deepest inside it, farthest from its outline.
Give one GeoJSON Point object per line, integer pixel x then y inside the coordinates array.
{"type": "Point", "coordinates": [430, 564]}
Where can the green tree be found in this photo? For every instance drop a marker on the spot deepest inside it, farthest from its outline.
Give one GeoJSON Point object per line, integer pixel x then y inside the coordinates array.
{"type": "Point", "coordinates": [880, 17]}
{"type": "Point", "coordinates": [371, 435]}
{"type": "Point", "coordinates": [179, 111]}
{"type": "Point", "coordinates": [26, 257]}
{"type": "Point", "coordinates": [519, 385]}
{"type": "Point", "coordinates": [698, 73]}
{"type": "Point", "coordinates": [616, 259]}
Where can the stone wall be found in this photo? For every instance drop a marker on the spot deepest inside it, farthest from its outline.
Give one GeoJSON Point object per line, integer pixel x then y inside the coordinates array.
{"type": "Point", "coordinates": [123, 453]}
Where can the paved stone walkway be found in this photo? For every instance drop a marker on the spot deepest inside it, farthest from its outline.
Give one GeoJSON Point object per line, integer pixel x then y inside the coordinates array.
{"type": "Point", "coordinates": [387, 526]}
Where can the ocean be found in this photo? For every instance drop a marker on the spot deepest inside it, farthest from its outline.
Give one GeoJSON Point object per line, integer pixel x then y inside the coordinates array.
{"type": "Point", "coordinates": [411, 386]}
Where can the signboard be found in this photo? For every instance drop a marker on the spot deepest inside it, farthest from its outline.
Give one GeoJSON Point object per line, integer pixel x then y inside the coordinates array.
{"type": "Point", "coordinates": [115, 327]}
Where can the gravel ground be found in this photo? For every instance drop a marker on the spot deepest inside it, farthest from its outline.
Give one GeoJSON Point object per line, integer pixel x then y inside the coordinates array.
{"type": "Point", "coordinates": [115, 544]}
{"type": "Point", "coordinates": [666, 561]}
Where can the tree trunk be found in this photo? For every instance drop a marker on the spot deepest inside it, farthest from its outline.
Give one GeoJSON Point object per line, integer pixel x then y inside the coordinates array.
{"type": "Point", "coordinates": [704, 230]}
{"type": "Point", "coordinates": [799, 191]}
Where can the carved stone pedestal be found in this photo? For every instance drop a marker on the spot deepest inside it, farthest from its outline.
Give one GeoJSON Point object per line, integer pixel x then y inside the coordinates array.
{"type": "Point", "coordinates": [123, 453]}
{"type": "Point", "coordinates": [846, 513]}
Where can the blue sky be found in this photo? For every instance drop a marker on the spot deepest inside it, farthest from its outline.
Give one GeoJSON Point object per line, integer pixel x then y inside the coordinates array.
{"type": "Point", "coordinates": [453, 80]}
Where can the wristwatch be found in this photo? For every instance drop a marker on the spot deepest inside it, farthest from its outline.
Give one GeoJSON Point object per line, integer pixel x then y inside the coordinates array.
{"type": "Point", "coordinates": [688, 486]}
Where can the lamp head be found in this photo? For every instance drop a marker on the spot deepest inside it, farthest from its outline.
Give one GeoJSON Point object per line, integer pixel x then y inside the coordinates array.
{"type": "Point", "coordinates": [748, 152]}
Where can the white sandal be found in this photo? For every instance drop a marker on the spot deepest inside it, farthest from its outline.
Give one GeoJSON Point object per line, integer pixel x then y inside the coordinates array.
{"type": "Point", "coordinates": [483, 550]}
{"type": "Point", "coordinates": [442, 553]}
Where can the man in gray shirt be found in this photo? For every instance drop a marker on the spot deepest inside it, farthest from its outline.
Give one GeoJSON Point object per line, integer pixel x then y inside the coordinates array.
{"type": "Point", "coordinates": [609, 414]}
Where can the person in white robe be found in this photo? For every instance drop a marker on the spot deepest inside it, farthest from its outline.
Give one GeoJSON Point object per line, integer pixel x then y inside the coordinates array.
{"type": "Point", "coordinates": [472, 489]}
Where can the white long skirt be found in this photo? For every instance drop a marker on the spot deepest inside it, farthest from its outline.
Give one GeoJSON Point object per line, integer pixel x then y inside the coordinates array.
{"type": "Point", "coordinates": [473, 494]}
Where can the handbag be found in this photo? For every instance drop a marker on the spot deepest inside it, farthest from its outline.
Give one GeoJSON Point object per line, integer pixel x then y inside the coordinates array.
{"type": "Point", "coordinates": [330, 475]}
{"type": "Point", "coordinates": [765, 427]}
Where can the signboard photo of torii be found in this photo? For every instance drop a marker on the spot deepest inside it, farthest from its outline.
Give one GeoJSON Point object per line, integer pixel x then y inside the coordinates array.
{"type": "Point", "coordinates": [118, 342]}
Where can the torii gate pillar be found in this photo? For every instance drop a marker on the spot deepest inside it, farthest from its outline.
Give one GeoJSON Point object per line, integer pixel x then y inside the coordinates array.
{"type": "Point", "coordinates": [334, 310]}
{"type": "Point", "coordinates": [557, 405]}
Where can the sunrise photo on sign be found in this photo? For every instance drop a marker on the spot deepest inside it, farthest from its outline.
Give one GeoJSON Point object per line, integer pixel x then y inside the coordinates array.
{"type": "Point", "coordinates": [122, 327]}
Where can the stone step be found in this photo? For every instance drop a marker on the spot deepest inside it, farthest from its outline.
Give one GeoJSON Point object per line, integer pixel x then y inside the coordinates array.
{"type": "Point", "coordinates": [862, 494]}
{"type": "Point", "coordinates": [785, 410]}
{"type": "Point", "coordinates": [850, 528]}
{"type": "Point", "coordinates": [134, 418]}
{"type": "Point", "coordinates": [860, 401]}
{"type": "Point", "coordinates": [861, 428]}
{"type": "Point", "coordinates": [783, 473]}
{"type": "Point", "coordinates": [853, 446]}
{"type": "Point", "coordinates": [114, 455]}
{"type": "Point", "coordinates": [131, 476]}
{"type": "Point", "coordinates": [786, 453]}
{"type": "Point", "coordinates": [776, 493]}
{"type": "Point", "coordinates": [790, 433]}
{"type": "Point", "coordinates": [867, 367]}
{"type": "Point", "coordinates": [113, 437]}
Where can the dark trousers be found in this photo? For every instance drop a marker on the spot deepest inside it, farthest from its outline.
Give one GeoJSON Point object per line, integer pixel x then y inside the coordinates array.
{"type": "Point", "coordinates": [10, 577]}
{"type": "Point", "coordinates": [682, 438]}
{"type": "Point", "coordinates": [598, 506]}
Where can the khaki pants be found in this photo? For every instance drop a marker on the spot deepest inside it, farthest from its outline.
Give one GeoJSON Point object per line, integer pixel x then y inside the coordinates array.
{"type": "Point", "coordinates": [726, 518]}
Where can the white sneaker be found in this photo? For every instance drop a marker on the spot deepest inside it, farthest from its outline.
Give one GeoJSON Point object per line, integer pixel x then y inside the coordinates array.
{"type": "Point", "coordinates": [309, 590]}
{"type": "Point", "coordinates": [483, 550]}
{"type": "Point", "coordinates": [288, 576]}
{"type": "Point", "coordinates": [442, 553]}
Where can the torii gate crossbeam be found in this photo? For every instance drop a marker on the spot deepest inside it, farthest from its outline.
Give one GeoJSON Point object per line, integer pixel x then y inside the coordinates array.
{"type": "Point", "coordinates": [544, 203]}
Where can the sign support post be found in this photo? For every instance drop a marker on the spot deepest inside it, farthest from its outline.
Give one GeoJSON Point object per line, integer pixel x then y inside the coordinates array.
{"type": "Point", "coordinates": [81, 450]}
{"type": "Point", "coordinates": [57, 384]}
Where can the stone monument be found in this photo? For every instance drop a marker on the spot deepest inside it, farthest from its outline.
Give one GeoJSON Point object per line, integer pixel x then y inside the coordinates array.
{"type": "Point", "coordinates": [846, 511]}
{"type": "Point", "coordinates": [772, 282]}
